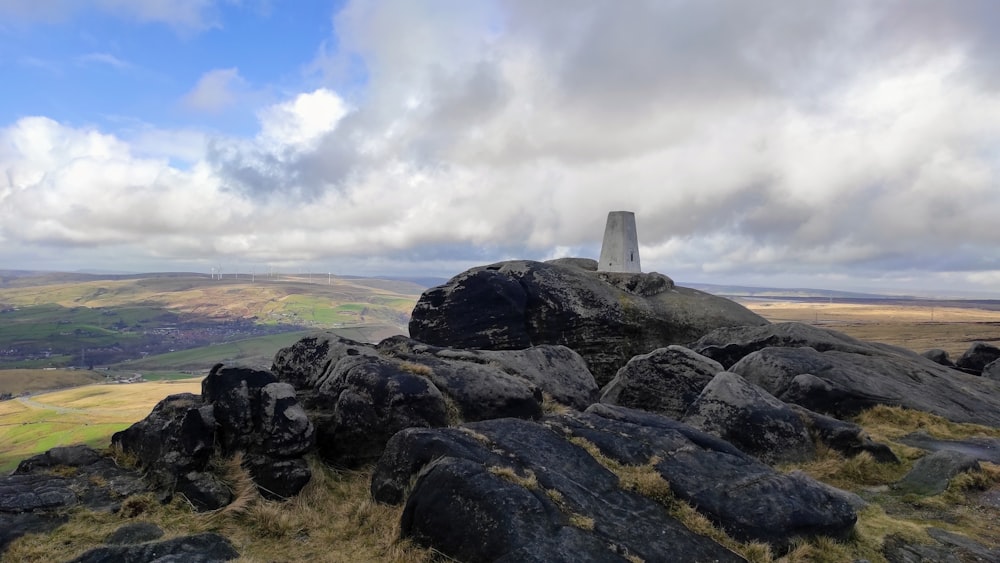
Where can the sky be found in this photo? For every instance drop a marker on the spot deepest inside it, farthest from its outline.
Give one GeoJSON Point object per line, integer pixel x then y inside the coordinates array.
{"type": "Point", "coordinates": [840, 144]}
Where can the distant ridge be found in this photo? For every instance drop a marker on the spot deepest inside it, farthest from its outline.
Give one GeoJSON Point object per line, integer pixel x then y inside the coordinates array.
{"type": "Point", "coordinates": [776, 292]}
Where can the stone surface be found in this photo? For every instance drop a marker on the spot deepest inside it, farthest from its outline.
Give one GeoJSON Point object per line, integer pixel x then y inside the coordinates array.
{"type": "Point", "coordinates": [208, 547]}
{"type": "Point", "coordinates": [932, 473]}
{"type": "Point", "coordinates": [730, 344]}
{"type": "Point", "coordinates": [977, 357]}
{"type": "Point", "coordinates": [517, 304]}
{"type": "Point", "coordinates": [134, 532]}
{"type": "Point", "coordinates": [897, 549]}
{"type": "Point", "coordinates": [516, 484]}
{"type": "Point", "coordinates": [241, 411]}
{"type": "Point", "coordinates": [366, 393]}
{"type": "Point", "coordinates": [35, 498]}
{"type": "Point", "coordinates": [939, 356]}
{"type": "Point", "coordinates": [664, 381]}
{"type": "Point", "coordinates": [845, 437]}
{"type": "Point", "coordinates": [992, 370]}
{"type": "Point", "coordinates": [980, 448]}
{"type": "Point", "coordinates": [751, 419]}
{"type": "Point", "coordinates": [842, 384]}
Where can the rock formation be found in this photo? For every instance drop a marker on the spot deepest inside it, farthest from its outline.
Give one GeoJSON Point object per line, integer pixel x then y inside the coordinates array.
{"type": "Point", "coordinates": [605, 317]}
{"type": "Point", "coordinates": [359, 395]}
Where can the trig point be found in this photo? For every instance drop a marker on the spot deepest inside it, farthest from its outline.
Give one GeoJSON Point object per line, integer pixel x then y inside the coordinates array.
{"type": "Point", "coordinates": [620, 251]}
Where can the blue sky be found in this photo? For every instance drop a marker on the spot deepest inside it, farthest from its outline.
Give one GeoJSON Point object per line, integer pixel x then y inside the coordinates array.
{"type": "Point", "coordinates": [838, 144]}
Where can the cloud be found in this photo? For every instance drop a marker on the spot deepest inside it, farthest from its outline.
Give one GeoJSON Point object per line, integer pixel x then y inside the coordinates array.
{"type": "Point", "coordinates": [216, 91]}
{"type": "Point", "coordinates": [105, 59]}
{"type": "Point", "coordinates": [182, 15]}
{"type": "Point", "coordinates": [753, 142]}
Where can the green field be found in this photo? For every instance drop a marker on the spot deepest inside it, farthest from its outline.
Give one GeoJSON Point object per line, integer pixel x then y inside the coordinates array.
{"type": "Point", "coordinates": [251, 352]}
{"type": "Point", "coordinates": [82, 415]}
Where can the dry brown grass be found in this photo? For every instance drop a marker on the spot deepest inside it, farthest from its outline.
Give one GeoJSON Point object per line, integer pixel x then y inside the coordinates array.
{"type": "Point", "coordinates": [917, 326]}
{"type": "Point", "coordinates": [332, 520]}
{"type": "Point", "coordinates": [884, 423]}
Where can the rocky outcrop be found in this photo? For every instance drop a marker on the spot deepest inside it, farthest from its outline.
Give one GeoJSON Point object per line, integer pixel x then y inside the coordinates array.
{"type": "Point", "coordinates": [939, 356]}
{"type": "Point", "coordinates": [752, 420]}
{"type": "Point", "coordinates": [842, 384]}
{"type": "Point", "coordinates": [992, 370]}
{"type": "Point", "coordinates": [845, 437]}
{"type": "Point", "coordinates": [367, 393]}
{"type": "Point", "coordinates": [832, 373]}
{"type": "Point", "coordinates": [664, 381]}
{"type": "Point", "coordinates": [513, 490]}
{"type": "Point", "coordinates": [977, 357]}
{"type": "Point", "coordinates": [931, 474]}
{"type": "Point", "coordinates": [35, 498]}
{"type": "Point", "coordinates": [207, 547]}
{"type": "Point", "coordinates": [517, 304]}
{"type": "Point", "coordinates": [240, 411]}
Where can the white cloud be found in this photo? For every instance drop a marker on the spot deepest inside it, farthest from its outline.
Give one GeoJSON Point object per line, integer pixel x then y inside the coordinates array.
{"type": "Point", "coordinates": [753, 142]}
{"type": "Point", "coordinates": [105, 59]}
{"type": "Point", "coordinates": [216, 90]}
{"type": "Point", "coordinates": [302, 120]}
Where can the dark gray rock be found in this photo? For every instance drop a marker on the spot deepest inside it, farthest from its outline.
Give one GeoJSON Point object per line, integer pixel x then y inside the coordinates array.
{"type": "Point", "coordinates": [556, 370]}
{"type": "Point", "coordinates": [306, 362]}
{"type": "Point", "coordinates": [241, 411]}
{"type": "Point", "coordinates": [845, 437]}
{"type": "Point", "coordinates": [992, 370]}
{"type": "Point", "coordinates": [471, 503]}
{"type": "Point", "coordinates": [367, 393]}
{"type": "Point", "coordinates": [731, 344]}
{"type": "Point", "coordinates": [897, 549]}
{"type": "Point", "coordinates": [980, 448]}
{"type": "Point", "coordinates": [932, 473]}
{"type": "Point", "coordinates": [524, 483]}
{"type": "Point", "coordinates": [36, 497]}
{"type": "Point", "coordinates": [134, 532]}
{"type": "Point", "coordinates": [939, 356]}
{"type": "Point", "coordinates": [750, 500]}
{"type": "Point", "coordinates": [751, 419]}
{"type": "Point", "coordinates": [842, 384]}
{"type": "Point", "coordinates": [963, 545]}
{"type": "Point", "coordinates": [200, 548]}
{"type": "Point", "coordinates": [518, 304]}
{"type": "Point", "coordinates": [977, 357]}
{"type": "Point", "coordinates": [664, 381]}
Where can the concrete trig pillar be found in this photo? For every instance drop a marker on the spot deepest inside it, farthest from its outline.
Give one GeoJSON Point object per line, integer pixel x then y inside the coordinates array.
{"type": "Point", "coordinates": [620, 251]}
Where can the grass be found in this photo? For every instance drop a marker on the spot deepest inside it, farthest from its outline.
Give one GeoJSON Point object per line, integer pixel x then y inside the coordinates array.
{"type": "Point", "coordinates": [17, 381]}
{"type": "Point", "coordinates": [332, 520]}
{"type": "Point", "coordinates": [916, 325]}
{"type": "Point", "coordinates": [89, 415]}
{"type": "Point", "coordinates": [251, 352]}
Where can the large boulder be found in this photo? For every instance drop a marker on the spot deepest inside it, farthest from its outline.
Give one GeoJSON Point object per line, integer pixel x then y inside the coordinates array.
{"type": "Point", "coordinates": [241, 411]}
{"type": "Point", "coordinates": [751, 419]}
{"type": "Point", "coordinates": [977, 357]}
{"type": "Point", "coordinates": [366, 393]}
{"type": "Point", "coordinates": [513, 490]}
{"type": "Point", "coordinates": [842, 384]}
{"type": "Point", "coordinates": [606, 318]}
{"type": "Point", "coordinates": [665, 381]}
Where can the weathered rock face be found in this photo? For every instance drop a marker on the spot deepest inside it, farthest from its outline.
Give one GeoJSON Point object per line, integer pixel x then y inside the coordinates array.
{"type": "Point", "coordinates": [845, 437]}
{"type": "Point", "coordinates": [939, 356]}
{"type": "Point", "coordinates": [518, 304]}
{"type": "Point", "coordinates": [751, 419]}
{"type": "Point", "coordinates": [992, 370]}
{"type": "Point", "coordinates": [200, 548]}
{"type": "Point", "coordinates": [664, 381]}
{"type": "Point", "coordinates": [240, 410]}
{"type": "Point", "coordinates": [832, 373]}
{"type": "Point", "coordinates": [35, 498]}
{"type": "Point", "coordinates": [366, 393]}
{"type": "Point", "coordinates": [977, 357]}
{"type": "Point", "coordinates": [932, 473]}
{"type": "Point", "coordinates": [842, 384]}
{"type": "Point", "coordinates": [513, 490]}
